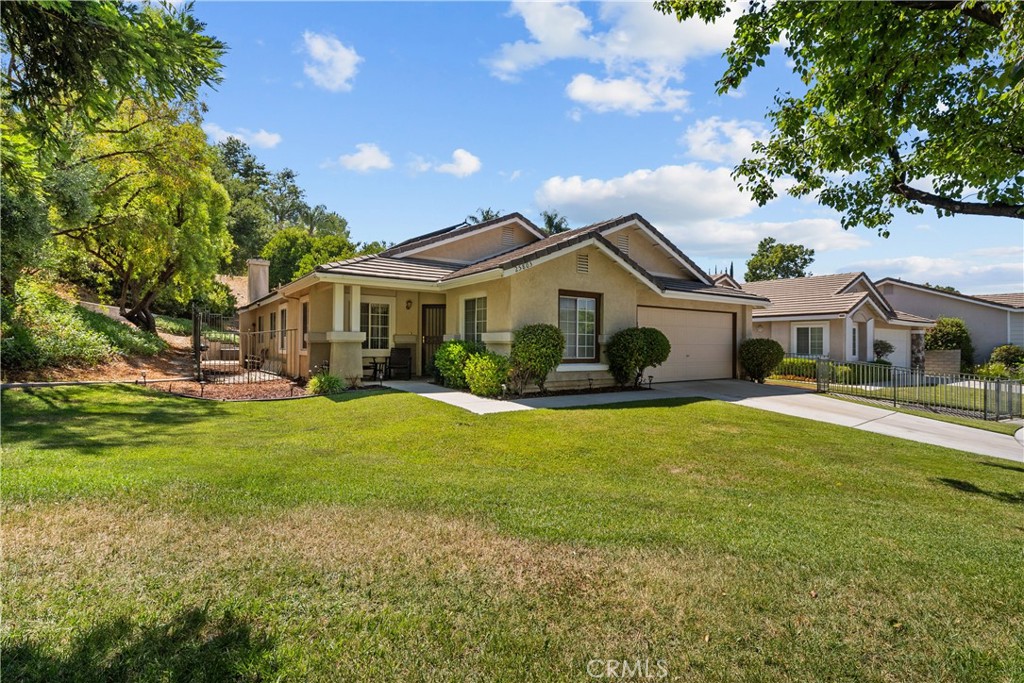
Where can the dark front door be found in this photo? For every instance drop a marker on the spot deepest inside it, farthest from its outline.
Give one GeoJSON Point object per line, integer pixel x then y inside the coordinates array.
{"type": "Point", "coordinates": [433, 335]}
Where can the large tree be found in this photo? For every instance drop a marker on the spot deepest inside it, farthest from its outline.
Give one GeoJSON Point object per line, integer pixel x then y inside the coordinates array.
{"type": "Point", "coordinates": [907, 105]}
{"type": "Point", "coordinates": [774, 260]}
{"type": "Point", "coordinates": [158, 216]}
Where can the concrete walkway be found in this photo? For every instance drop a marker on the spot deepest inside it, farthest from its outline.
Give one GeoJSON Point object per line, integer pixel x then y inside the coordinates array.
{"type": "Point", "coordinates": [773, 398]}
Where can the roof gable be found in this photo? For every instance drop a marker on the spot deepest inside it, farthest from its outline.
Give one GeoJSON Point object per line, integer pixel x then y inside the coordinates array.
{"type": "Point", "coordinates": [1013, 301]}
{"type": "Point", "coordinates": [449, 244]}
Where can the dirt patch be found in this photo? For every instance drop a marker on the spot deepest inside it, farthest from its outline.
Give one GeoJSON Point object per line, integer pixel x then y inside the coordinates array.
{"type": "Point", "coordinates": [175, 361]}
{"type": "Point", "coordinates": [279, 388]}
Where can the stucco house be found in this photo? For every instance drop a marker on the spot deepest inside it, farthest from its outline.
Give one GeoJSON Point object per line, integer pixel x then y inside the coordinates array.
{"type": "Point", "coordinates": [838, 316]}
{"type": "Point", "coordinates": [484, 281]}
{"type": "Point", "coordinates": [992, 319]}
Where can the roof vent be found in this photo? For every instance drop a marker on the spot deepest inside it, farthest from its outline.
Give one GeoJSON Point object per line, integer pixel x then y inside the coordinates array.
{"type": "Point", "coordinates": [582, 263]}
{"type": "Point", "coordinates": [623, 244]}
{"type": "Point", "coordinates": [507, 236]}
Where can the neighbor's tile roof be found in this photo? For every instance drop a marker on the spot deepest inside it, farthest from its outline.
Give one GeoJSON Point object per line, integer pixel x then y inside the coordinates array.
{"type": "Point", "coordinates": [454, 231]}
{"type": "Point", "coordinates": [374, 265]}
{"type": "Point", "coordinates": [815, 295]}
{"type": "Point", "coordinates": [911, 318]}
{"type": "Point", "coordinates": [691, 286]}
{"type": "Point", "coordinates": [1015, 300]}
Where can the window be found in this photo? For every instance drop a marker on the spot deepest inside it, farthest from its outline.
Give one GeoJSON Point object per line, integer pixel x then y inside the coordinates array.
{"type": "Point", "coordinates": [578, 320]}
{"type": "Point", "coordinates": [810, 341]}
{"type": "Point", "coordinates": [853, 342]}
{"type": "Point", "coordinates": [475, 319]}
{"type": "Point", "coordinates": [259, 325]}
{"type": "Point", "coordinates": [305, 324]}
{"type": "Point", "coordinates": [374, 320]}
{"type": "Point", "coordinates": [273, 325]}
{"type": "Point", "coordinates": [284, 326]}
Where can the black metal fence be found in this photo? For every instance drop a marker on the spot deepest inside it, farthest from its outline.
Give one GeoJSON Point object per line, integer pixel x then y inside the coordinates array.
{"type": "Point", "coordinates": [956, 394]}
{"type": "Point", "coordinates": [224, 355]}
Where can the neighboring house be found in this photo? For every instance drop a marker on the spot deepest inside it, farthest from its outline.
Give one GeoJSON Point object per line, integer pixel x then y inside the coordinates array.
{"type": "Point", "coordinates": [484, 281]}
{"type": "Point", "coordinates": [838, 316]}
{"type": "Point", "coordinates": [992, 319]}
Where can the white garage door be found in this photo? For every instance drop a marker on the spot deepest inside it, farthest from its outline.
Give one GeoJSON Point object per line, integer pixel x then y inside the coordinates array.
{"type": "Point", "coordinates": [702, 343]}
{"type": "Point", "coordinates": [901, 340]}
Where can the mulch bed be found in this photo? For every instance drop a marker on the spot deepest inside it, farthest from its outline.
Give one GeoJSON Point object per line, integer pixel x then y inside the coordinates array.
{"type": "Point", "coordinates": [255, 391]}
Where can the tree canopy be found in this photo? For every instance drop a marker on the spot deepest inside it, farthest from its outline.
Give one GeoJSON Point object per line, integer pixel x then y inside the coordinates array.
{"type": "Point", "coordinates": [774, 260]}
{"type": "Point", "coordinates": [554, 222]}
{"type": "Point", "coordinates": [907, 104]}
{"type": "Point", "coordinates": [483, 214]}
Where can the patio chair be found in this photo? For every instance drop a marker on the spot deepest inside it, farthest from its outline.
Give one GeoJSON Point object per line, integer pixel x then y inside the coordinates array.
{"type": "Point", "coordinates": [399, 364]}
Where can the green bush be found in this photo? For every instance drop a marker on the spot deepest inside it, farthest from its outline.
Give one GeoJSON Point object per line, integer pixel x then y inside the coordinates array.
{"type": "Point", "coordinates": [536, 351]}
{"type": "Point", "coordinates": [805, 368]}
{"type": "Point", "coordinates": [949, 334]}
{"type": "Point", "coordinates": [760, 357]}
{"type": "Point", "coordinates": [450, 361]}
{"type": "Point", "coordinates": [997, 370]}
{"type": "Point", "coordinates": [324, 383]}
{"type": "Point", "coordinates": [841, 374]}
{"type": "Point", "coordinates": [486, 373]}
{"type": "Point", "coordinates": [633, 350]}
{"type": "Point", "coordinates": [42, 330]}
{"type": "Point", "coordinates": [1009, 355]}
{"type": "Point", "coordinates": [883, 349]}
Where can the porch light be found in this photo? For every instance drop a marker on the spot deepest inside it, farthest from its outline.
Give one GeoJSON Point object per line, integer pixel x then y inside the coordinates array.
{"type": "Point", "coordinates": [408, 304]}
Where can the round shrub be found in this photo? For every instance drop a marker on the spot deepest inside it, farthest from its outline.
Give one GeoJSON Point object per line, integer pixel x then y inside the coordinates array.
{"type": "Point", "coordinates": [536, 351]}
{"type": "Point", "coordinates": [883, 349]}
{"type": "Point", "coordinates": [633, 350]}
{"type": "Point", "coordinates": [949, 334]}
{"type": "Point", "coordinates": [324, 383]}
{"type": "Point", "coordinates": [1009, 355]}
{"type": "Point", "coordinates": [486, 372]}
{"type": "Point", "coordinates": [450, 361]}
{"type": "Point", "coordinates": [760, 357]}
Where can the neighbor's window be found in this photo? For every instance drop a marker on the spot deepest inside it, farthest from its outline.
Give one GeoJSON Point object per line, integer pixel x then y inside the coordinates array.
{"type": "Point", "coordinates": [284, 326]}
{"type": "Point", "coordinates": [810, 341]}
{"type": "Point", "coordinates": [375, 322]}
{"type": "Point", "coordinates": [475, 320]}
{"type": "Point", "coordinates": [305, 324]}
{"type": "Point", "coordinates": [273, 325]}
{"type": "Point", "coordinates": [577, 318]}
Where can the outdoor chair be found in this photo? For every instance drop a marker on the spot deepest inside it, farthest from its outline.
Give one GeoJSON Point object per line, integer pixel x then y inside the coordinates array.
{"type": "Point", "coordinates": [399, 364]}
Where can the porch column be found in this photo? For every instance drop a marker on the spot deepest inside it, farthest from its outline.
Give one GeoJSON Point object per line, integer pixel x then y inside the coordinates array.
{"type": "Point", "coordinates": [353, 319]}
{"type": "Point", "coordinates": [869, 350]}
{"type": "Point", "coordinates": [338, 317]}
{"type": "Point", "coordinates": [849, 351]}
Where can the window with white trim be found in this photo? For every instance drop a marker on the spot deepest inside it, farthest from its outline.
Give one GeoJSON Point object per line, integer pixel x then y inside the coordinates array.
{"type": "Point", "coordinates": [853, 341]}
{"type": "Point", "coordinates": [810, 341]}
{"type": "Point", "coordinates": [375, 321]}
{"type": "Point", "coordinates": [578, 321]}
{"type": "Point", "coordinates": [474, 320]}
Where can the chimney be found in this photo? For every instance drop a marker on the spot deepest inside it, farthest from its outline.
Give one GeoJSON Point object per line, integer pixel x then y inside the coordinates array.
{"type": "Point", "coordinates": [259, 278]}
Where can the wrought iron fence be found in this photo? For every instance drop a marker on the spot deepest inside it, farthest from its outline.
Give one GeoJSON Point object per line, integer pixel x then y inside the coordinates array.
{"type": "Point", "coordinates": [956, 394]}
{"type": "Point", "coordinates": [225, 355]}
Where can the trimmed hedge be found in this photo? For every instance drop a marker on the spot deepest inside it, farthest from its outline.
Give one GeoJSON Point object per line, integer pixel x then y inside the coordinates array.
{"type": "Point", "coordinates": [950, 334]}
{"type": "Point", "coordinates": [450, 361]}
{"type": "Point", "coordinates": [486, 372]}
{"type": "Point", "coordinates": [760, 357]}
{"type": "Point", "coordinates": [1009, 355]}
{"type": "Point", "coordinates": [536, 351]}
{"type": "Point", "coordinates": [633, 350]}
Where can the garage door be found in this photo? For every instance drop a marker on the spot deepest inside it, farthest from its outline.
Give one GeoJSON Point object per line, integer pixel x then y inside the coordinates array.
{"type": "Point", "coordinates": [702, 343]}
{"type": "Point", "coordinates": [900, 339]}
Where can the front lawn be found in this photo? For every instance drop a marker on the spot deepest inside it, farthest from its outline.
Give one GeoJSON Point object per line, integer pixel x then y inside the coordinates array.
{"type": "Point", "coordinates": [382, 536]}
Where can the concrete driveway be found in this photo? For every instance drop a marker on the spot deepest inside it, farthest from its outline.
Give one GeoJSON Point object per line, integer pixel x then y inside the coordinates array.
{"type": "Point", "coordinates": [807, 404]}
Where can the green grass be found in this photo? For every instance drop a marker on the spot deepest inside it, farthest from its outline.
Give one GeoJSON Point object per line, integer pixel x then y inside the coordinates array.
{"type": "Point", "coordinates": [182, 327]}
{"type": "Point", "coordinates": [945, 396]}
{"type": "Point", "coordinates": [987, 425]}
{"type": "Point", "coordinates": [380, 536]}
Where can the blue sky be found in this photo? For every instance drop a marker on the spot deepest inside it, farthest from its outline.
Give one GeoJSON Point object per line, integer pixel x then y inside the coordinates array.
{"type": "Point", "coordinates": [406, 117]}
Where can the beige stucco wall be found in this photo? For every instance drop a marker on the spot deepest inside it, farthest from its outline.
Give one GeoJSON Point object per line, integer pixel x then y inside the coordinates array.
{"type": "Point", "coordinates": [647, 253]}
{"type": "Point", "coordinates": [988, 326]}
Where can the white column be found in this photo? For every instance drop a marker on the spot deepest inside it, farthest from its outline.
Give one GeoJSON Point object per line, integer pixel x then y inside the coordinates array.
{"type": "Point", "coordinates": [338, 319]}
{"type": "Point", "coordinates": [870, 348]}
{"type": "Point", "coordinates": [849, 352]}
{"type": "Point", "coordinates": [353, 313]}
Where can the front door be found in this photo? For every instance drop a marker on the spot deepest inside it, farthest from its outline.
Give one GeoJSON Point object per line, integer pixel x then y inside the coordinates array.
{"type": "Point", "coordinates": [433, 335]}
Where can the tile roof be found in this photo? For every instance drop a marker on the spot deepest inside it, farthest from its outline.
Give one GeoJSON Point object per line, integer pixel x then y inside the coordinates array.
{"type": "Point", "coordinates": [693, 287]}
{"type": "Point", "coordinates": [1015, 300]}
{"type": "Point", "coordinates": [447, 233]}
{"type": "Point", "coordinates": [911, 318]}
{"type": "Point", "coordinates": [814, 295]}
{"type": "Point", "coordinates": [375, 265]}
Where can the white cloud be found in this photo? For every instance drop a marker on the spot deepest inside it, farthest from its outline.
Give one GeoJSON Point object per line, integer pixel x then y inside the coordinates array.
{"type": "Point", "coordinates": [697, 207]}
{"type": "Point", "coordinates": [462, 164]}
{"type": "Point", "coordinates": [986, 270]}
{"type": "Point", "coordinates": [333, 65]}
{"type": "Point", "coordinates": [367, 157]}
{"type": "Point", "coordinates": [641, 52]}
{"type": "Point", "coordinates": [628, 95]}
{"type": "Point", "coordinates": [722, 141]}
{"type": "Point", "coordinates": [260, 138]}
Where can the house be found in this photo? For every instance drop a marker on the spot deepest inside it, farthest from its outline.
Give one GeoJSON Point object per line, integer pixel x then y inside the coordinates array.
{"type": "Point", "coordinates": [482, 282]}
{"type": "Point", "coordinates": [992, 319]}
{"type": "Point", "coordinates": [838, 316]}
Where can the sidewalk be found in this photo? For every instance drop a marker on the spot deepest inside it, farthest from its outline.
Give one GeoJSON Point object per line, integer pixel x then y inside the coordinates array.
{"type": "Point", "coordinates": [773, 398]}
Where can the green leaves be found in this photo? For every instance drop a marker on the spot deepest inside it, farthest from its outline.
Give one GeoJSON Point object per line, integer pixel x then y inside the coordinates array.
{"type": "Point", "coordinates": [773, 260]}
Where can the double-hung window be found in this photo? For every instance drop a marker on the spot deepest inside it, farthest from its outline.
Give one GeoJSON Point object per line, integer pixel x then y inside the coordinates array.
{"type": "Point", "coordinates": [578, 318]}
{"type": "Point", "coordinates": [273, 325]}
{"type": "Point", "coordinates": [305, 324]}
{"type": "Point", "coordinates": [810, 341]}
{"type": "Point", "coordinates": [284, 326]}
{"type": "Point", "coordinates": [474, 321]}
{"type": "Point", "coordinates": [375, 321]}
